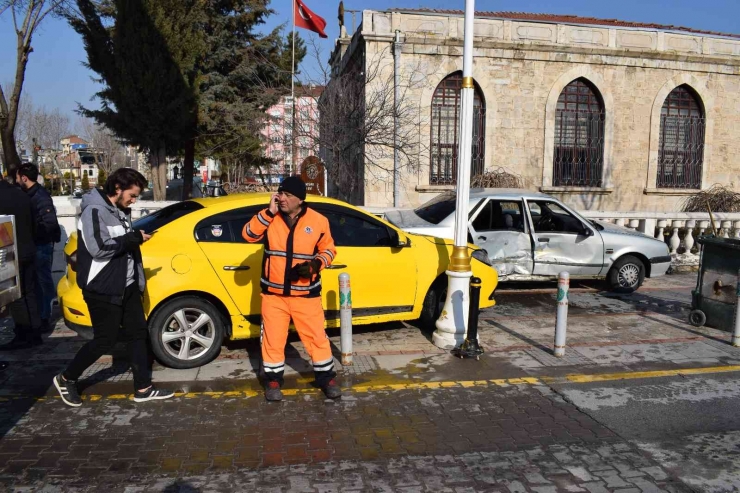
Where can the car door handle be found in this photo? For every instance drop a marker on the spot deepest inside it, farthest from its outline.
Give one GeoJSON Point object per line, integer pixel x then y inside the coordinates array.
{"type": "Point", "coordinates": [337, 266]}
{"type": "Point", "coordinates": [482, 238]}
{"type": "Point", "coordinates": [236, 267]}
{"type": "Point", "coordinates": [543, 240]}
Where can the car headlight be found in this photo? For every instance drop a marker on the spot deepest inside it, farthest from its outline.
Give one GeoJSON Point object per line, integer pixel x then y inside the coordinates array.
{"type": "Point", "coordinates": [482, 256]}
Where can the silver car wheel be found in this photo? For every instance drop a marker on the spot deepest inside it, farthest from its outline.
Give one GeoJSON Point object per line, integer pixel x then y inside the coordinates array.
{"type": "Point", "coordinates": [629, 276]}
{"type": "Point", "coordinates": [188, 334]}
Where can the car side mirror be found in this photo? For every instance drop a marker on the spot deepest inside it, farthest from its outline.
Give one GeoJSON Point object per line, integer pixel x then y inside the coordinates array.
{"type": "Point", "coordinates": [397, 241]}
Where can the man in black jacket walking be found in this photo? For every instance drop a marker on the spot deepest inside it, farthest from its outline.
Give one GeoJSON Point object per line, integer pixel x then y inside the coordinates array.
{"type": "Point", "coordinates": [111, 276]}
{"type": "Point", "coordinates": [47, 232]}
{"type": "Point", "coordinates": [24, 311]}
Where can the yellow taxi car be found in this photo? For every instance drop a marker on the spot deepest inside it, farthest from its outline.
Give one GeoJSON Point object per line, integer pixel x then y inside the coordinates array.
{"type": "Point", "coordinates": [203, 278]}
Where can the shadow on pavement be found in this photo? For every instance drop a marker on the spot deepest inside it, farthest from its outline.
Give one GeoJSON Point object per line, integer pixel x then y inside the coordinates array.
{"type": "Point", "coordinates": [520, 336]}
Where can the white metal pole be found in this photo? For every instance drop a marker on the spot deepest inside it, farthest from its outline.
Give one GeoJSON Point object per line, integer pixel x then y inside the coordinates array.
{"type": "Point", "coordinates": [736, 332]}
{"type": "Point", "coordinates": [345, 318]}
{"type": "Point", "coordinates": [452, 323]}
{"type": "Point", "coordinates": [561, 323]}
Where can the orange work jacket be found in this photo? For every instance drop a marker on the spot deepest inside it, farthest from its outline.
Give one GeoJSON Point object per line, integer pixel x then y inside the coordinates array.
{"type": "Point", "coordinates": [286, 247]}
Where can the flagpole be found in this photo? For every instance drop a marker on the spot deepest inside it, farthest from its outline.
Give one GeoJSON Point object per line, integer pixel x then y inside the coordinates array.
{"type": "Point", "coordinates": [292, 98]}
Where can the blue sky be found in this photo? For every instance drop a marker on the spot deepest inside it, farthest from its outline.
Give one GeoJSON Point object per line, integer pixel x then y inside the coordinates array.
{"type": "Point", "coordinates": [56, 77]}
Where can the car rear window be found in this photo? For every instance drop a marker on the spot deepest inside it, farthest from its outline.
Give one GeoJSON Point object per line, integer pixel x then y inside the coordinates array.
{"type": "Point", "coordinates": [437, 209]}
{"type": "Point", "coordinates": [162, 217]}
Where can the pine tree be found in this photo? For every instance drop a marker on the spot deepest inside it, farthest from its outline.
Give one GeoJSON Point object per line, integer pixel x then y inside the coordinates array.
{"type": "Point", "coordinates": [147, 63]}
{"type": "Point", "coordinates": [181, 74]}
{"type": "Point", "coordinates": [101, 178]}
{"type": "Point", "coordinates": [85, 182]}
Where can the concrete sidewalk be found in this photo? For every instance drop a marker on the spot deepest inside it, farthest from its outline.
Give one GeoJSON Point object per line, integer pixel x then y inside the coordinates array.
{"type": "Point", "coordinates": [607, 333]}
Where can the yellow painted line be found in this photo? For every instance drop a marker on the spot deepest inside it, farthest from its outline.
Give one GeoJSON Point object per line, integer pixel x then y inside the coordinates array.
{"type": "Point", "coordinates": [385, 387]}
{"type": "Point", "coordinates": [634, 375]}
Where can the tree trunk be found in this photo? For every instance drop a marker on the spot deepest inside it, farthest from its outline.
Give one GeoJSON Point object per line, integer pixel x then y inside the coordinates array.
{"type": "Point", "coordinates": [159, 173]}
{"type": "Point", "coordinates": [188, 166]}
{"type": "Point", "coordinates": [11, 159]}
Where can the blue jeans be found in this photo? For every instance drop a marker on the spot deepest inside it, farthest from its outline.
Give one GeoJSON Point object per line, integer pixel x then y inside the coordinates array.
{"type": "Point", "coordinates": [45, 292]}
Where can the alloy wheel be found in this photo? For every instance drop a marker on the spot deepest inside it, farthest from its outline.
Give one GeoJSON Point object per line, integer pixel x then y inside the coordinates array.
{"type": "Point", "coordinates": [188, 334]}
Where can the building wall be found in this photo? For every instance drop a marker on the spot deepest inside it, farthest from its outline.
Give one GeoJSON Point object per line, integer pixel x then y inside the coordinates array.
{"type": "Point", "coordinates": [521, 68]}
{"type": "Point", "coordinates": [277, 136]}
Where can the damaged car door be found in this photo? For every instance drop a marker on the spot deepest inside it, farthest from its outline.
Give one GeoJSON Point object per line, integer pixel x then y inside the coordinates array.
{"type": "Point", "coordinates": [562, 242]}
{"type": "Point", "coordinates": [500, 228]}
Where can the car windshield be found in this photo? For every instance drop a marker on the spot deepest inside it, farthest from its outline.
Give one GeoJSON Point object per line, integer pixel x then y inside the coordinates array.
{"type": "Point", "coordinates": [157, 219]}
{"type": "Point", "coordinates": [437, 209]}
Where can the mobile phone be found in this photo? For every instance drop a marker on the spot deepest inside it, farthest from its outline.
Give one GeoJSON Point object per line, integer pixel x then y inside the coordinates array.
{"type": "Point", "coordinates": [152, 233]}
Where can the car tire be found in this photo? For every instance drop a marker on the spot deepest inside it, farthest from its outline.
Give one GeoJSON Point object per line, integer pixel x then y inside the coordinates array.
{"type": "Point", "coordinates": [168, 337]}
{"type": "Point", "coordinates": [432, 305]}
{"type": "Point", "coordinates": [626, 275]}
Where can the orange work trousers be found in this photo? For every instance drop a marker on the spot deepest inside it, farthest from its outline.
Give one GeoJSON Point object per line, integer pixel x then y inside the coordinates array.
{"type": "Point", "coordinates": [308, 317]}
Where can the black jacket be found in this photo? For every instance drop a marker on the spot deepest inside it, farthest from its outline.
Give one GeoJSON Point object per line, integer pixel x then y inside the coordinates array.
{"type": "Point", "coordinates": [45, 216]}
{"type": "Point", "coordinates": [105, 241]}
{"type": "Point", "coordinates": [14, 202]}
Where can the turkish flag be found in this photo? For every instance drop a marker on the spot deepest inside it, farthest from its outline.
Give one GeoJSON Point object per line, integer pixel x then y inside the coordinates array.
{"type": "Point", "coordinates": [306, 19]}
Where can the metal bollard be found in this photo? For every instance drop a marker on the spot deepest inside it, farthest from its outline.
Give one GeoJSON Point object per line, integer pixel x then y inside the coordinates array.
{"type": "Point", "coordinates": [470, 348]}
{"type": "Point", "coordinates": [345, 318]}
{"type": "Point", "coordinates": [736, 332]}
{"type": "Point", "coordinates": [561, 323]}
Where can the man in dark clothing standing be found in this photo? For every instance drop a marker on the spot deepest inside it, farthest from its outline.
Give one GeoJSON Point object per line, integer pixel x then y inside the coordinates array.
{"type": "Point", "coordinates": [47, 232]}
{"type": "Point", "coordinates": [111, 276]}
{"type": "Point", "coordinates": [24, 311]}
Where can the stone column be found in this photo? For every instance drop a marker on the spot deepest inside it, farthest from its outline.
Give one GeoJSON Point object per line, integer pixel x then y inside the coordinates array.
{"type": "Point", "coordinates": [675, 241]}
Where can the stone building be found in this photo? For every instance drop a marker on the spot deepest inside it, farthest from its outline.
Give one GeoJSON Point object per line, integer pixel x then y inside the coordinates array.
{"type": "Point", "coordinates": [605, 114]}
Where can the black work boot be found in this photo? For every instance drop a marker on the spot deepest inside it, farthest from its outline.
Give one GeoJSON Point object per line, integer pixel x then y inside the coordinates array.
{"type": "Point", "coordinates": [332, 389]}
{"type": "Point", "coordinates": [273, 392]}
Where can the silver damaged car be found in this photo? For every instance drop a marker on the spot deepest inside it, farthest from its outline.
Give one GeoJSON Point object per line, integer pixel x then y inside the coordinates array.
{"type": "Point", "coordinates": [532, 236]}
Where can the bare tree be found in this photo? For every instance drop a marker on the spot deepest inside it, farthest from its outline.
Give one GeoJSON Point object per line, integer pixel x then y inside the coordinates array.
{"type": "Point", "coordinates": [105, 143]}
{"type": "Point", "coordinates": [27, 16]}
{"type": "Point", "coordinates": [47, 127]}
{"type": "Point", "coordinates": [356, 117]}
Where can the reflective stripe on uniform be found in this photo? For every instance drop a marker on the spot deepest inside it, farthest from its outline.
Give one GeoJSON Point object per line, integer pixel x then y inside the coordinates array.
{"type": "Point", "coordinates": [252, 235]}
{"type": "Point", "coordinates": [278, 253]}
{"type": "Point", "coordinates": [274, 367]}
{"type": "Point", "coordinates": [325, 365]}
{"type": "Point", "coordinates": [262, 219]}
{"type": "Point", "coordinates": [295, 288]}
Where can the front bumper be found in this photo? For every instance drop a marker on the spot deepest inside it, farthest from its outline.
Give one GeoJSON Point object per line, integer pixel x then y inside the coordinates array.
{"type": "Point", "coordinates": [660, 265]}
{"type": "Point", "coordinates": [73, 306]}
{"type": "Point", "coordinates": [84, 331]}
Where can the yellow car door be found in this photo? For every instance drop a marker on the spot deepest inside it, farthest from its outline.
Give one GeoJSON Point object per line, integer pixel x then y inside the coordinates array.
{"type": "Point", "coordinates": [383, 276]}
{"type": "Point", "coordinates": [237, 263]}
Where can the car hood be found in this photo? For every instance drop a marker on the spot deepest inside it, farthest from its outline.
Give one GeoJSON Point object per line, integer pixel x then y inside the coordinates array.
{"type": "Point", "coordinates": [406, 218]}
{"type": "Point", "coordinates": [610, 228]}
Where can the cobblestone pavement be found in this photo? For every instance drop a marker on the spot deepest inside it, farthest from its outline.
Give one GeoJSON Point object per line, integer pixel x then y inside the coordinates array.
{"type": "Point", "coordinates": [512, 438]}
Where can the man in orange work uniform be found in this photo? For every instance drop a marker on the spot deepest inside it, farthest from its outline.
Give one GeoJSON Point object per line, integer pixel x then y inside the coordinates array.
{"type": "Point", "coordinates": [298, 244]}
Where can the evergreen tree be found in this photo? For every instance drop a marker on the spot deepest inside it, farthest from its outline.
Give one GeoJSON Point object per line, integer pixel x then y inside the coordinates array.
{"type": "Point", "coordinates": [101, 177]}
{"type": "Point", "coordinates": [181, 74]}
{"type": "Point", "coordinates": [147, 62]}
{"type": "Point", "coordinates": [85, 182]}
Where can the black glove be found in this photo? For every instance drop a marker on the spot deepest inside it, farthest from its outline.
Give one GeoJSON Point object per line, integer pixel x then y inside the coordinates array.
{"type": "Point", "coordinates": [308, 269]}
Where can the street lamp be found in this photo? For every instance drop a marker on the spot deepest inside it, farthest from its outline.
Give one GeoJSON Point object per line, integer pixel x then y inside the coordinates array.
{"type": "Point", "coordinates": [453, 320]}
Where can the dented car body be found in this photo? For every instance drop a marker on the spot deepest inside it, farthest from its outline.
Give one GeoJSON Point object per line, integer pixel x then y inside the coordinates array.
{"type": "Point", "coordinates": [532, 236]}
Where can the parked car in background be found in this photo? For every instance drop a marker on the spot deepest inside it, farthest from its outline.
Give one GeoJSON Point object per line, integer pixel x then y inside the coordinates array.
{"type": "Point", "coordinates": [532, 236]}
{"type": "Point", "coordinates": [203, 278]}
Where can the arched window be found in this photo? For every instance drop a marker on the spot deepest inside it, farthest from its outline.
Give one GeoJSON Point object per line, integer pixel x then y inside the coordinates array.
{"type": "Point", "coordinates": [681, 143]}
{"type": "Point", "coordinates": [445, 129]}
{"type": "Point", "coordinates": [578, 160]}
